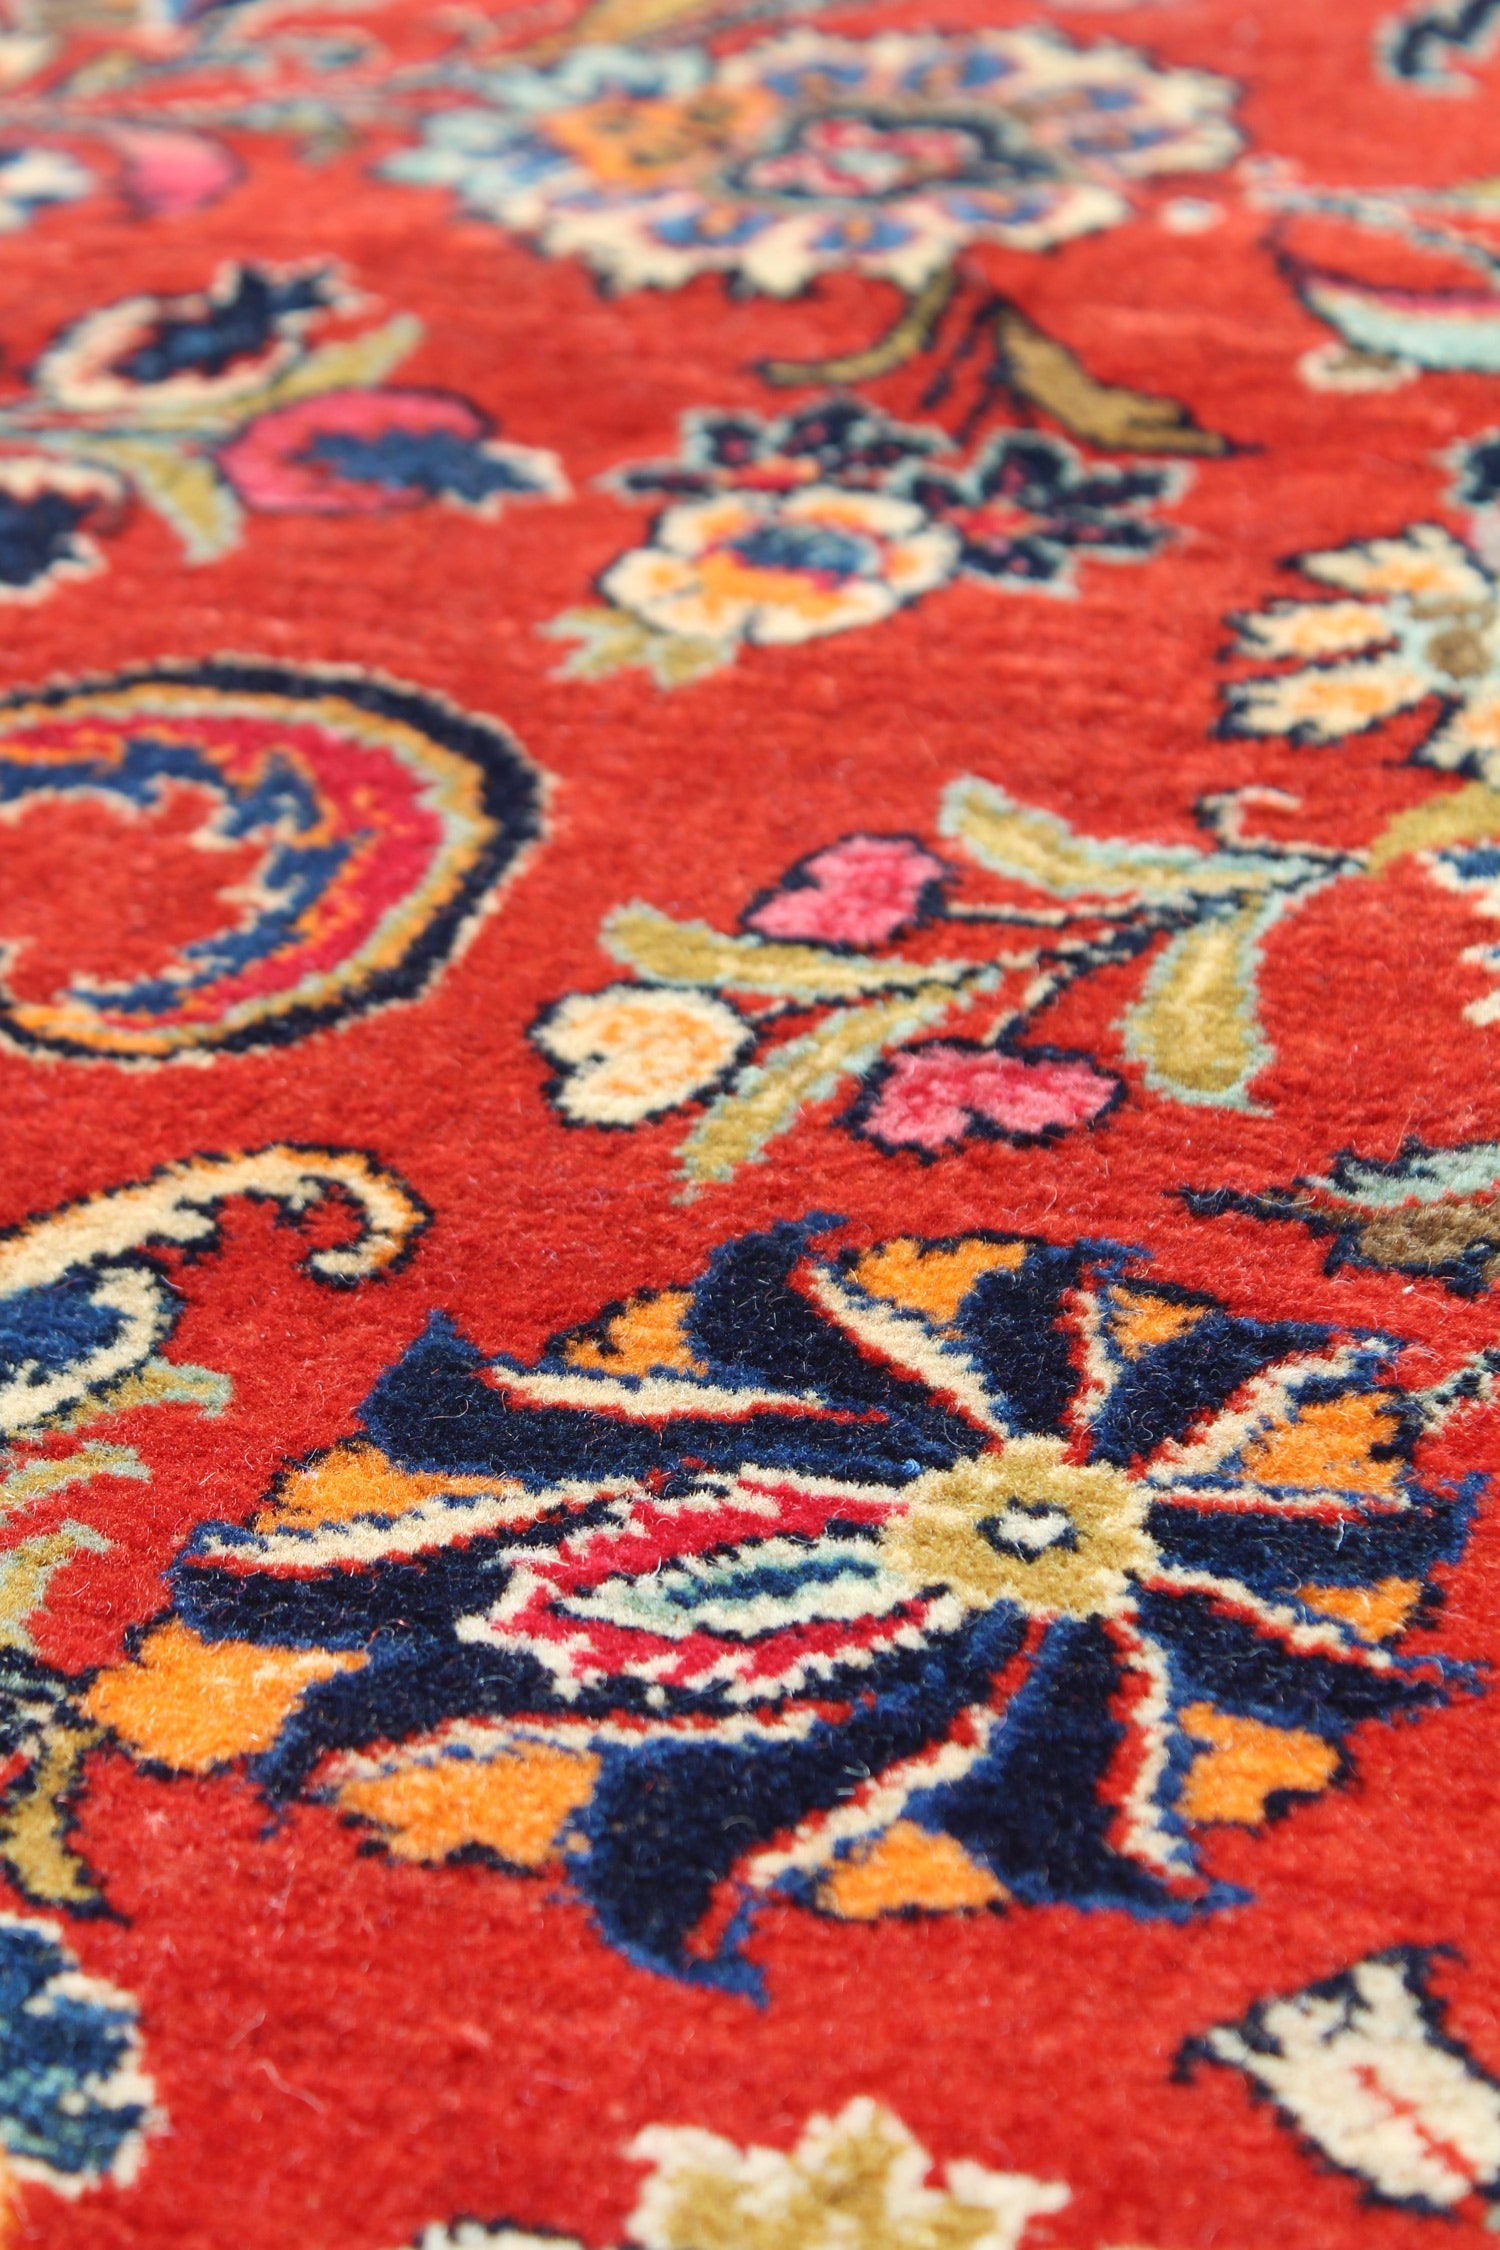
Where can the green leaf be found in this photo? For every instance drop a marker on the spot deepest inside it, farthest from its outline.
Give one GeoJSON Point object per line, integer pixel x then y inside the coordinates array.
{"type": "Point", "coordinates": [692, 953]}
{"type": "Point", "coordinates": [48, 1474]}
{"type": "Point", "coordinates": [353, 363]}
{"type": "Point", "coordinates": [27, 1570]}
{"type": "Point", "coordinates": [1196, 1026]}
{"type": "Point", "coordinates": [614, 641]}
{"type": "Point", "coordinates": [184, 488]}
{"type": "Point", "coordinates": [1451, 816]}
{"type": "Point", "coordinates": [40, 1713]}
{"type": "Point", "coordinates": [766, 1098]}
{"type": "Point", "coordinates": [1039, 369]}
{"type": "Point", "coordinates": [1030, 846]}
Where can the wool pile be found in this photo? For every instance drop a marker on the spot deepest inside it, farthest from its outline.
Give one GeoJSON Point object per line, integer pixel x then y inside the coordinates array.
{"type": "Point", "coordinates": [750, 1197]}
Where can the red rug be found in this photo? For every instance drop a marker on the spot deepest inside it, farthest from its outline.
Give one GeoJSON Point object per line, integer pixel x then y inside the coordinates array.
{"type": "Point", "coordinates": [749, 979]}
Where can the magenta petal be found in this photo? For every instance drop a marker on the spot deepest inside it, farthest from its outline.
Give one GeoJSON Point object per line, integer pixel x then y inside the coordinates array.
{"type": "Point", "coordinates": [932, 1096]}
{"type": "Point", "coordinates": [167, 171]}
{"type": "Point", "coordinates": [858, 892]}
{"type": "Point", "coordinates": [274, 466]}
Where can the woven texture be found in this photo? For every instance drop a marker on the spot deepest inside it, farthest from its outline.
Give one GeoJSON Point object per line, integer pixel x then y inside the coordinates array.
{"type": "Point", "coordinates": [750, 1195]}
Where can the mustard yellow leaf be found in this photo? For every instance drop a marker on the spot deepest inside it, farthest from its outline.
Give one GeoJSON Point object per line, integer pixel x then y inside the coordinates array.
{"type": "Point", "coordinates": [1030, 846]}
{"type": "Point", "coordinates": [668, 952]}
{"type": "Point", "coordinates": [1453, 816]}
{"type": "Point", "coordinates": [1195, 1026]}
{"type": "Point", "coordinates": [353, 363]}
{"type": "Point", "coordinates": [611, 640]}
{"type": "Point", "coordinates": [184, 488]}
{"type": "Point", "coordinates": [766, 1098]}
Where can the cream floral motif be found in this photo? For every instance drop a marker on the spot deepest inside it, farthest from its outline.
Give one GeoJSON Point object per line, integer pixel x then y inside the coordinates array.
{"type": "Point", "coordinates": [86, 1314]}
{"type": "Point", "coordinates": [809, 153]}
{"type": "Point", "coordinates": [31, 178]}
{"type": "Point", "coordinates": [836, 515]}
{"type": "Point", "coordinates": [1415, 623]}
{"type": "Point", "coordinates": [629, 1053]}
{"type": "Point", "coordinates": [778, 569]}
{"type": "Point", "coordinates": [858, 2181]}
{"type": "Point", "coordinates": [1364, 2069]}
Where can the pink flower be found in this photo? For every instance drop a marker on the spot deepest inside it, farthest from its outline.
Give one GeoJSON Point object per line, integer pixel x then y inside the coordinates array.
{"type": "Point", "coordinates": [358, 452]}
{"type": "Point", "coordinates": [931, 1097]}
{"type": "Point", "coordinates": [168, 172]}
{"type": "Point", "coordinates": [862, 891]}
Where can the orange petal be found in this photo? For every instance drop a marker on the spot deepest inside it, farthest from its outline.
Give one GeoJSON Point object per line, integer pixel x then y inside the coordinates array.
{"type": "Point", "coordinates": [514, 1804]}
{"type": "Point", "coordinates": [1247, 1763]}
{"type": "Point", "coordinates": [908, 1866]}
{"type": "Point", "coordinates": [194, 1704]}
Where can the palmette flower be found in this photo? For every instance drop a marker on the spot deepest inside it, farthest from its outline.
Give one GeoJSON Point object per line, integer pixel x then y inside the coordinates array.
{"type": "Point", "coordinates": [809, 153]}
{"type": "Point", "coordinates": [367, 452]}
{"type": "Point", "coordinates": [778, 569]}
{"type": "Point", "coordinates": [928, 1575]}
{"type": "Point", "coordinates": [1418, 625]}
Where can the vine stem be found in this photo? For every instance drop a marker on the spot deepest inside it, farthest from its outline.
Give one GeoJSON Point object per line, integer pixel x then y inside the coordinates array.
{"type": "Point", "coordinates": [910, 335]}
{"type": "Point", "coordinates": [1034, 367]}
{"type": "Point", "coordinates": [1038, 918]}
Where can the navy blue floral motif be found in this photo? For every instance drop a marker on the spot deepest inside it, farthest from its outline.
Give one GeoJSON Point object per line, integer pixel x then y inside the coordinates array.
{"type": "Point", "coordinates": [992, 1537]}
{"type": "Point", "coordinates": [838, 440]}
{"type": "Point", "coordinates": [236, 322]}
{"type": "Point", "coordinates": [207, 345]}
{"type": "Point", "coordinates": [36, 535]}
{"type": "Point", "coordinates": [1478, 483]}
{"type": "Point", "coordinates": [45, 509]}
{"type": "Point", "coordinates": [432, 462]}
{"type": "Point", "coordinates": [351, 451]}
{"type": "Point", "coordinates": [1027, 507]}
{"type": "Point", "coordinates": [1426, 38]}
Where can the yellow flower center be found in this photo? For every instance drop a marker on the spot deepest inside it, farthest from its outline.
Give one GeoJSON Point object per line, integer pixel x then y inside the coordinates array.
{"type": "Point", "coordinates": [1024, 1525]}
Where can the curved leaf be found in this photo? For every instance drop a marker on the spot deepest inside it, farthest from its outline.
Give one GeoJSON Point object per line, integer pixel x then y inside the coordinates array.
{"type": "Point", "coordinates": [669, 952]}
{"type": "Point", "coordinates": [184, 488]}
{"type": "Point", "coordinates": [1196, 1026]}
{"type": "Point", "coordinates": [353, 363]}
{"type": "Point", "coordinates": [1452, 816]}
{"type": "Point", "coordinates": [1031, 846]}
{"type": "Point", "coordinates": [766, 1098]}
